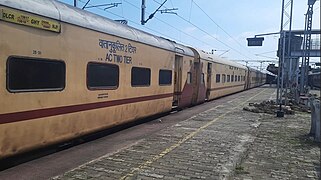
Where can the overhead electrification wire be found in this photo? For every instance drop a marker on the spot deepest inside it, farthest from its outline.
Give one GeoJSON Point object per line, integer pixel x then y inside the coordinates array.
{"type": "Point", "coordinates": [220, 26]}
{"type": "Point", "coordinates": [209, 34]}
{"type": "Point", "coordinates": [261, 60]}
{"type": "Point", "coordinates": [122, 8]}
{"type": "Point", "coordinates": [267, 52]}
{"type": "Point", "coordinates": [132, 21]}
{"type": "Point", "coordinates": [266, 56]}
{"type": "Point", "coordinates": [172, 3]}
{"type": "Point", "coordinates": [152, 30]}
{"type": "Point", "coordinates": [190, 10]}
{"type": "Point", "coordinates": [213, 37]}
{"type": "Point", "coordinates": [172, 26]}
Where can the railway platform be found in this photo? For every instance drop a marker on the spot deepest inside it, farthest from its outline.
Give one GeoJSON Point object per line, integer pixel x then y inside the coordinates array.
{"type": "Point", "coordinates": [221, 142]}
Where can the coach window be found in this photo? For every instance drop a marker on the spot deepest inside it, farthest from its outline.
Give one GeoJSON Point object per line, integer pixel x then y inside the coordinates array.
{"type": "Point", "coordinates": [189, 78]}
{"type": "Point", "coordinates": [102, 76]}
{"type": "Point", "coordinates": [218, 78]}
{"type": "Point", "coordinates": [228, 78]}
{"type": "Point", "coordinates": [223, 78]}
{"type": "Point", "coordinates": [165, 77]}
{"type": "Point", "coordinates": [202, 78]}
{"type": "Point", "coordinates": [34, 75]}
{"type": "Point", "coordinates": [140, 76]}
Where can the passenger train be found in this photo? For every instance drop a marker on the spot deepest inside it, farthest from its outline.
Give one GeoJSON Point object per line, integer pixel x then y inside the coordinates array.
{"type": "Point", "coordinates": [65, 73]}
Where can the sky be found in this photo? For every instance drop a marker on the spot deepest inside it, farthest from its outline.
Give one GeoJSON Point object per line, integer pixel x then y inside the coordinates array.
{"type": "Point", "coordinates": [218, 25]}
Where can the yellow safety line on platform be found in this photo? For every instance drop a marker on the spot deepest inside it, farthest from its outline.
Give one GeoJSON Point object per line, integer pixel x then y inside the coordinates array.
{"type": "Point", "coordinates": [171, 148]}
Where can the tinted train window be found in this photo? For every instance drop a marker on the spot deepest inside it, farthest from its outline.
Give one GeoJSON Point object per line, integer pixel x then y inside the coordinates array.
{"type": "Point", "coordinates": [102, 76]}
{"type": "Point", "coordinates": [165, 77]}
{"type": "Point", "coordinates": [28, 74]}
{"type": "Point", "coordinates": [140, 76]}
{"type": "Point", "coordinates": [218, 78]}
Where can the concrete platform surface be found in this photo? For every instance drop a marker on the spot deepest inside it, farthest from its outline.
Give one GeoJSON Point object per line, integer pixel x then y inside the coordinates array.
{"type": "Point", "coordinates": [223, 142]}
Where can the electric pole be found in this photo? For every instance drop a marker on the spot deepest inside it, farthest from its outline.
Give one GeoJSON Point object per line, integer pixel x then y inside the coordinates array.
{"type": "Point", "coordinates": [143, 21]}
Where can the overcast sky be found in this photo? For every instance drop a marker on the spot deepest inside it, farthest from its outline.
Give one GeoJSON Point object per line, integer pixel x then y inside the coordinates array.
{"type": "Point", "coordinates": [213, 24]}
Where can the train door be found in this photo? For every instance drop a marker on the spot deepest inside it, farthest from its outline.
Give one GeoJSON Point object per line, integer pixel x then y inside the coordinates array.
{"type": "Point", "coordinates": [248, 79]}
{"type": "Point", "coordinates": [177, 79]}
{"type": "Point", "coordinates": [196, 77]}
{"type": "Point", "coordinates": [209, 80]}
{"type": "Point", "coordinates": [245, 80]}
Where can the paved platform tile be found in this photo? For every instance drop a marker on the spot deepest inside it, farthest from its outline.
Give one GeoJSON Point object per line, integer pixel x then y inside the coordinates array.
{"type": "Point", "coordinates": [210, 145]}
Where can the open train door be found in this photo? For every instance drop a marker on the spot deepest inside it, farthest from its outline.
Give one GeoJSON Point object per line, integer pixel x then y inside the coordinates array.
{"type": "Point", "coordinates": [199, 84]}
{"type": "Point", "coordinates": [177, 79]}
{"type": "Point", "coordinates": [209, 80]}
{"type": "Point", "coordinates": [248, 78]}
{"type": "Point", "coordinates": [245, 79]}
{"type": "Point", "coordinates": [196, 82]}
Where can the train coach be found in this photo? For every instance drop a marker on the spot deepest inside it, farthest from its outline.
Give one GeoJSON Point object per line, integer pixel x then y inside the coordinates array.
{"type": "Point", "coordinates": [65, 72]}
{"type": "Point", "coordinates": [219, 76]}
{"type": "Point", "coordinates": [255, 78]}
{"type": "Point", "coordinates": [314, 80]}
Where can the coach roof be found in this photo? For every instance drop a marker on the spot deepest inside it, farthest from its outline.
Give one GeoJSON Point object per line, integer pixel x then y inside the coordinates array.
{"type": "Point", "coordinates": [69, 14]}
{"type": "Point", "coordinates": [214, 58]}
